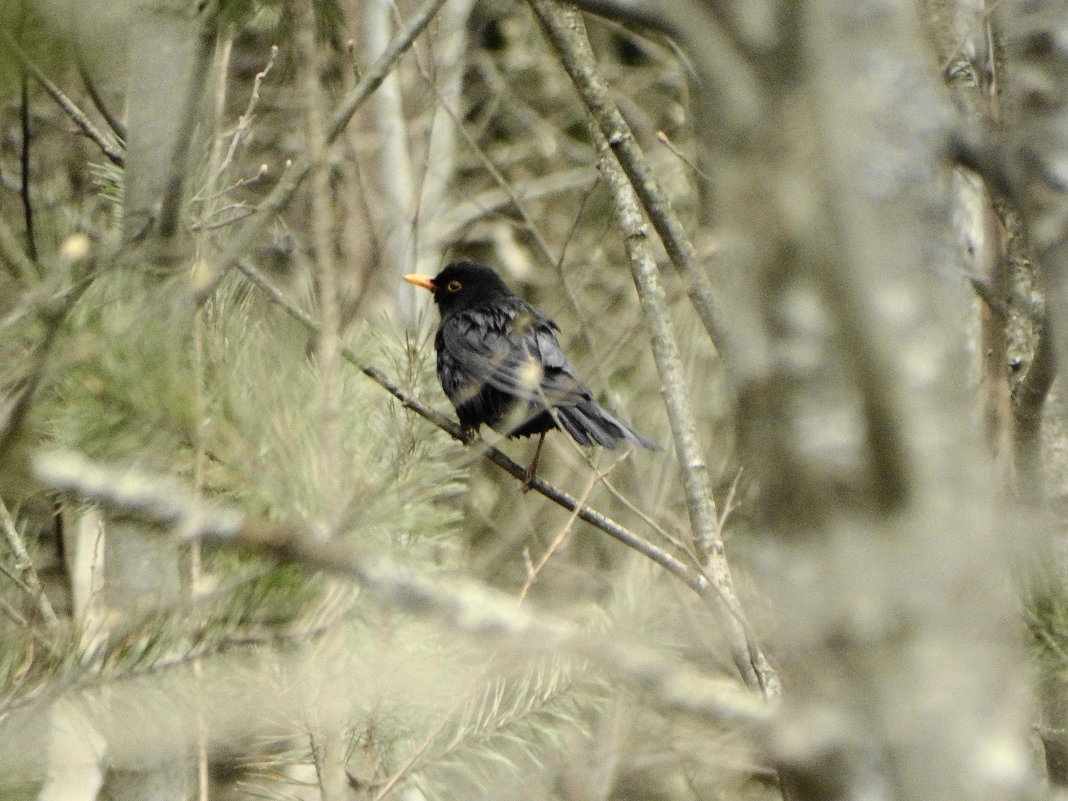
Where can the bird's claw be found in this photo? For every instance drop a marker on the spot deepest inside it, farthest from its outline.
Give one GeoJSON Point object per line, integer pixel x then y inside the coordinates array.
{"type": "Point", "coordinates": [528, 478]}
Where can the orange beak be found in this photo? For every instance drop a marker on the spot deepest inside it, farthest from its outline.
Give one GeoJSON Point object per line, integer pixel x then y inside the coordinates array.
{"type": "Point", "coordinates": [425, 281]}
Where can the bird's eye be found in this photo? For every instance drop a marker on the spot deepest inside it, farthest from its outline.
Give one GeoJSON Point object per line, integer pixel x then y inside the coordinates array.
{"type": "Point", "coordinates": [454, 286]}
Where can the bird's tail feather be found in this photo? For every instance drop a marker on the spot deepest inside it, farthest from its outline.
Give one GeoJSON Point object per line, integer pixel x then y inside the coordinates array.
{"type": "Point", "coordinates": [588, 423]}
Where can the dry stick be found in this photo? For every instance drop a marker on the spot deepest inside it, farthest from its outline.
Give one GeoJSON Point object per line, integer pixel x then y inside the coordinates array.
{"type": "Point", "coordinates": [114, 123]}
{"type": "Point", "coordinates": [168, 220]}
{"type": "Point", "coordinates": [106, 145]}
{"type": "Point", "coordinates": [565, 28]}
{"type": "Point", "coordinates": [13, 418]}
{"type": "Point", "coordinates": [24, 168]}
{"type": "Point", "coordinates": [748, 657]}
{"type": "Point", "coordinates": [469, 210]}
{"type": "Point", "coordinates": [219, 166]}
{"type": "Point", "coordinates": [51, 308]}
{"type": "Point", "coordinates": [534, 569]}
{"type": "Point", "coordinates": [18, 582]}
{"type": "Point", "coordinates": [444, 67]}
{"type": "Point", "coordinates": [25, 564]}
{"type": "Point", "coordinates": [464, 606]}
{"type": "Point", "coordinates": [578, 61]}
{"type": "Point", "coordinates": [419, 750]}
{"type": "Point", "coordinates": [294, 175]}
{"type": "Point", "coordinates": [695, 580]}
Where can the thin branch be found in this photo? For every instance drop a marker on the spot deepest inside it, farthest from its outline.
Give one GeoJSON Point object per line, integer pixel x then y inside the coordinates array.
{"type": "Point", "coordinates": [554, 544]}
{"type": "Point", "coordinates": [444, 66]}
{"type": "Point", "coordinates": [108, 147]}
{"type": "Point", "coordinates": [504, 185]}
{"type": "Point", "coordinates": [193, 558]}
{"type": "Point", "coordinates": [467, 211]}
{"type": "Point", "coordinates": [649, 521]}
{"type": "Point", "coordinates": [24, 564]}
{"type": "Point", "coordinates": [16, 618]}
{"type": "Point", "coordinates": [418, 751]}
{"type": "Point", "coordinates": [114, 123]}
{"type": "Point", "coordinates": [244, 123]}
{"type": "Point", "coordinates": [24, 168]}
{"type": "Point", "coordinates": [990, 297]}
{"type": "Point", "coordinates": [577, 59]}
{"type": "Point", "coordinates": [13, 417]}
{"type": "Point", "coordinates": [564, 25]}
{"type": "Point", "coordinates": [463, 606]}
{"type": "Point", "coordinates": [296, 173]}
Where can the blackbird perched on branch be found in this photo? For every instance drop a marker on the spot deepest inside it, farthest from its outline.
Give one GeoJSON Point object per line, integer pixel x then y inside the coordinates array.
{"type": "Point", "coordinates": [500, 363]}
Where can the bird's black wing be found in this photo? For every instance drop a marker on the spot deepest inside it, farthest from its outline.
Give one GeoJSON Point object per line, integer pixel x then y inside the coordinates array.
{"type": "Point", "coordinates": [513, 349]}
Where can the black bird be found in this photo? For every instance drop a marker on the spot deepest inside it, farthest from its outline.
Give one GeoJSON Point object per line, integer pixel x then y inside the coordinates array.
{"type": "Point", "coordinates": [500, 363]}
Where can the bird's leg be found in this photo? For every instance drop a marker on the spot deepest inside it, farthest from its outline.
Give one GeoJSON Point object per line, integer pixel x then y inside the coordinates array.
{"type": "Point", "coordinates": [532, 468]}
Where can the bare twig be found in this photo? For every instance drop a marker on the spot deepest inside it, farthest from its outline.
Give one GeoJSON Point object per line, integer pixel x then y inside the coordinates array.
{"type": "Point", "coordinates": [995, 303]}
{"type": "Point", "coordinates": [665, 140]}
{"type": "Point", "coordinates": [114, 123]}
{"type": "Point", "coordinates": [444, 66]}
{"type": "Point", "coordinates": [107, 146]}
{"type": "Point", "coordinates": [24, 168]}
{"type": "Point", "coordinates": [53, 309]}
{"type": "Point", "coordinates": [171, 203]}
{"type": "Point", "coordinates": [25, 564]}
{"type": "Point", "coordinates": [13, 417]}
{"type": "Point", "coordinates": [245, 122]}
{"type": "Point", "coordinates": [236, 212]}
{"type": "Point", "coordinates": [224, 44]}
{"type": "Point", "coordinates": [419, 750]}
{"type": "Point", "coordinates": [470, 210]}
{"type": "Point", "coordinates": [558, 540]}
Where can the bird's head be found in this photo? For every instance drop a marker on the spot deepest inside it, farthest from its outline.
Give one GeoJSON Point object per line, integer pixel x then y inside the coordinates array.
{"type": "Point", "coordinates": [462, 285]}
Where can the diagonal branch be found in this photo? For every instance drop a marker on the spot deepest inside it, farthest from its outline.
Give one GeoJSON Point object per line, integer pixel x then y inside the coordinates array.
{"type": "Point", "coordinates": [24, 563]}
{"type": "Point", "coordinates": [577, 59]}
{"type": "Point", "coordinates": [105, 143]}
{"type": "Point", "coordinates": [564, 25]}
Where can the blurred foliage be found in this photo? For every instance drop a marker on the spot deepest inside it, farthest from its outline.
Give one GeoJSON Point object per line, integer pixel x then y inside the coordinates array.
{"type": "Point", "coordinates": [226, 398]}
